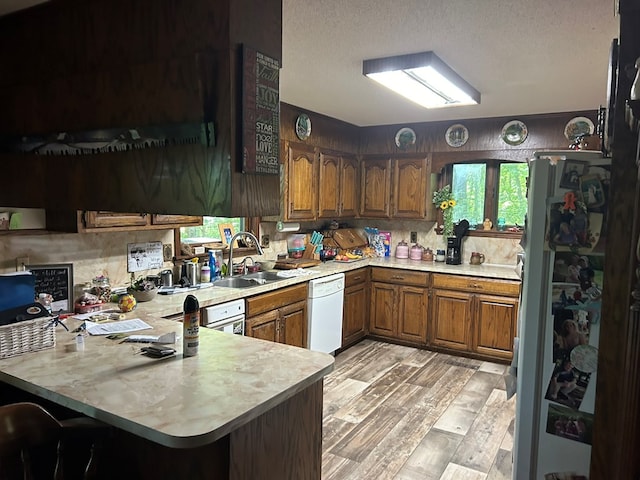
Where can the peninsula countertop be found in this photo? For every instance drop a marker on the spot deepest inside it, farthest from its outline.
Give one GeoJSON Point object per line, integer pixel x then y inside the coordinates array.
{"type": "Point", "coordinates": [177, 402]}
{"type": "Point", "coordinates": [167, 305]}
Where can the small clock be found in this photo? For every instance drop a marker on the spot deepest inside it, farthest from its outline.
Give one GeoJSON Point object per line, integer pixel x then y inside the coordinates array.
{"type": "Point", "coordinates": [303, 126]}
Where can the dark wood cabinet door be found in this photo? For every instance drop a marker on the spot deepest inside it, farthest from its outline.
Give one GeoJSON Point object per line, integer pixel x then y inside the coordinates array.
{"type": "Point", "coordinates": [293, 325]}
{"type": "Point", "coordinates": [355, 313]}
{"type": "Point", "coordinates": [451, 320]}
{"type": "Point", "coordinates": [329, 186]}
{"type": "Point", "coordinates": [264, 326]}
{"type": "Point", "coordinates": [383, 310]}
{"type": "Point", "coordinates": [301, 187]}
{"type": "Point", "coordinates": [412, 314]}
{"type": "Point", "coordinates": [410, 188]}
{"type": "Point", "coordinates": [495, 325]}
{"type": "Point", "coordinates": [375, 185]}
{"type": "Point", "coordinates": [349, 191]}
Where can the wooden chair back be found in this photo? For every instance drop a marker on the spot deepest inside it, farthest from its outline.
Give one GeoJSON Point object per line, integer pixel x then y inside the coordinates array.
{"type": "Point", "coordinates": [32, 442]}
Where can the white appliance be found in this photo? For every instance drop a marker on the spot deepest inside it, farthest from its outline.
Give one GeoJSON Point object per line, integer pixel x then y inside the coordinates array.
{"type": "Point", "coordinates": [559, 320]}
{"type": "Point", "coordinates": [324, 310]}
{"type": "Point", "coordinates": [225, 317]}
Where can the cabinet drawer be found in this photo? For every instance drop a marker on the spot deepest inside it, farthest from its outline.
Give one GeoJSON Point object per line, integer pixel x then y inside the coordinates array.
{"type": "Point", "coordinates": [476, 284]}
{"type": "Point", "coordinates": [354, 277]}
{"type": "Point", "coordinates": [405, 277]}
{"type": "Point", "coordinates": [276, 299]}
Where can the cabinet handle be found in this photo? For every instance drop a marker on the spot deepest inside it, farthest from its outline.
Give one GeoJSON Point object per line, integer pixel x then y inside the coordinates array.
{"type": "Point", "coordinates": [397, 277]}
{"type": "Point", "coordinates": [357, 278]}
{"type": "Point", "coordinates": [475, 285]}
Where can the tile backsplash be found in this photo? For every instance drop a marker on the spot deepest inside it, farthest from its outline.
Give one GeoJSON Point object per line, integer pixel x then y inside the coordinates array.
{"type": "Point", "coordinates": [92, 254]}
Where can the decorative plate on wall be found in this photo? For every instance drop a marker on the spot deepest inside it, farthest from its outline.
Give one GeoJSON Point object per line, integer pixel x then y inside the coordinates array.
{"type": "Point", "coordinates": [456, 135]}
{"type": "Point", "coordinates": [405, 137]}
{"type": "Point", "coordinates": [514, 132]}
{"type": "Point", "coordinates": [303, 126]}
{"type": "Point", "coordinates": [578, 126]}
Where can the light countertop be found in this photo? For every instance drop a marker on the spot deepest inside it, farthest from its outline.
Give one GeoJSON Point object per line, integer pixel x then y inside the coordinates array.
{"type": "Point", "coordinates": [175, 401]}
{"type": "Point", "coordinates": [167, 305]}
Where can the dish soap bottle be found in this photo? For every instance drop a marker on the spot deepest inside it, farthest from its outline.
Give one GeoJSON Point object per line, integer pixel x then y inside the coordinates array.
{"type": "Point", "coordinates": [190, 326]}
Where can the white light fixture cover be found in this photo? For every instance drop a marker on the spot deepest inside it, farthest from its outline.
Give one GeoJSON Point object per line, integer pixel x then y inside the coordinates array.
{"type": "Point", "coordinates": [422, 78]}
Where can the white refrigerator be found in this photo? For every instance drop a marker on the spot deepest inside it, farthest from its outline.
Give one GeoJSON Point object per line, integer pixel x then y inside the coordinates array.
{"type": "Point", "coordinates": [559, 323]}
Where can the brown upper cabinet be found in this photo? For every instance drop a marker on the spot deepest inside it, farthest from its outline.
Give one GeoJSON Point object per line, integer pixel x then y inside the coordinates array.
{"type": "Point", "coordinates": [337, 186]}
{"type": "Point", "coordinates": [396, 188]}
{"type": "Point", "coordinates": [300, 190]}
{"type": "Point", "coordinates": [106, 221]}
{"type": "Point", "coordinates": [375, 187]}
{"type": "Point", "coordinates": [319, 185]}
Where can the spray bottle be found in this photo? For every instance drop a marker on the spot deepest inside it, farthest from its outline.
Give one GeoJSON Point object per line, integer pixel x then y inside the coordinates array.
{"type": "Point", "coordinates": [190, 326]}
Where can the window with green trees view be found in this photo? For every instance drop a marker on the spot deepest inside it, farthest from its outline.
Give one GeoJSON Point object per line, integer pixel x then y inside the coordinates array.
{"type": "Point", "coordinates": [490, 189]}
{"type": "Point", "coordinates": [209, 231]}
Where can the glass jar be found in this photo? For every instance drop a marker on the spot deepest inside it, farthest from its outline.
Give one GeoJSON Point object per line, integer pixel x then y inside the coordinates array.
{"type": "Point", "coordinates": [101, 288]}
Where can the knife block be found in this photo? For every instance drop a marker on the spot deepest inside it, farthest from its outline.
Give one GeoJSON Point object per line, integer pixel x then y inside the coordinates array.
{"type": "Point", "coordinates": [309, 252]}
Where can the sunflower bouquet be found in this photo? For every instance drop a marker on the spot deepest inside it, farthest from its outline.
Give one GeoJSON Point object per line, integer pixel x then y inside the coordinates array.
{"type": "Point", "coordinates": [443, 199]}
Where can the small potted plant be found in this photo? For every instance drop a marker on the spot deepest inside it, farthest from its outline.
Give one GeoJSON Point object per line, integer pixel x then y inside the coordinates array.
{"type": "Point", "coordinates": [143, 290]}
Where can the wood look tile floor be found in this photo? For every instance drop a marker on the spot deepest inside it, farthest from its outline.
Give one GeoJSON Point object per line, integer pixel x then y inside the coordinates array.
{"type": "Point", "coordinates": [394, 412]}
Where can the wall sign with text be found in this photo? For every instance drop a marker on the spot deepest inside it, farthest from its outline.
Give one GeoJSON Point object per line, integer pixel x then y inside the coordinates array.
{"type": "Point", "coordinates": [261, 113]}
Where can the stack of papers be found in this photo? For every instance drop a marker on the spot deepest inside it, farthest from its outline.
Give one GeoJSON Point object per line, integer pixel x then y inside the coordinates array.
{"type": "Point", "coordinates": [121, 326]}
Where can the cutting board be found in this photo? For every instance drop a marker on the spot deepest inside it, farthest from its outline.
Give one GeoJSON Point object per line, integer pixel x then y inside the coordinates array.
{"type": "Point", "coordinates": [292, 263]}
{"type": "Point", "coordinates": [348, 238]}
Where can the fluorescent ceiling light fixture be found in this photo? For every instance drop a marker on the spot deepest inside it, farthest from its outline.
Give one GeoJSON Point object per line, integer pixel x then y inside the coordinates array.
{"type": "Point", "coordinates": [422, 78]}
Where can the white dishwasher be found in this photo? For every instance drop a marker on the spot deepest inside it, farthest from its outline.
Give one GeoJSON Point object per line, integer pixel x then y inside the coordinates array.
{"type": "Point", "coordinates": [324, 311]}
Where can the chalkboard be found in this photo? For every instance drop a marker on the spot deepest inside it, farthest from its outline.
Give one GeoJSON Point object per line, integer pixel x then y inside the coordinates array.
{"type": "Point", "coordinates": [57, 281]}
{"type": "Point", "coordinates": [261, 113]}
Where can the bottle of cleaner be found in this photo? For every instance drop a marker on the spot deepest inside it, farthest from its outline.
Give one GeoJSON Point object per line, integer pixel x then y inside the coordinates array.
{"type": "Point", "coordinates": [190, 326]}
{"type": "Point", "coordinates": [205, 273]}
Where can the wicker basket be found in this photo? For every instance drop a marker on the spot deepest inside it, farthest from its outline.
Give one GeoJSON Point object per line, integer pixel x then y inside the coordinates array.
{"type": "Point", "coordinates": [27, 336]}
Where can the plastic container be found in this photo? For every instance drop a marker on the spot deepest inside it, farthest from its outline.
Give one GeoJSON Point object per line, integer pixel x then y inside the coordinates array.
{"type": "Point", "coordinates": [296, 245]}
{"type": "Point", "coordinates": [205, 273]}
{"type": "Point", "coordinates": [190, 326]}
{"type": "Point", "coordinates": [101, 288]}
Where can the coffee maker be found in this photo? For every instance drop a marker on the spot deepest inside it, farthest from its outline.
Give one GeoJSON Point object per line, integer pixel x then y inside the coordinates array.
{"type": "Point", "coordinates": [454, 244]}
{"type": "Point", "coordinates": [454, 251]}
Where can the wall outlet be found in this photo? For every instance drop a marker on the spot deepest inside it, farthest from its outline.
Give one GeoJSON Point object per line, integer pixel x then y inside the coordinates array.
{"type": "Point", "coordinates": [265, 241]}
{"type": "Point", "coordinates": [21, 263]}
{"type": "Point", "coordinates": [167, 252]}
{"type": "Point", "coordinates": [414, 237]}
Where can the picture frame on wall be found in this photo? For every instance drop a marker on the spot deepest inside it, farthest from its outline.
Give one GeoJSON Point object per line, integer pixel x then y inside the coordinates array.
{"type": "Point", "coordinates": [226, 233]}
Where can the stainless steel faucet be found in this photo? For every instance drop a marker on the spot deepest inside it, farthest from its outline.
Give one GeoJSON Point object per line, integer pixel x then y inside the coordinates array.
{"type": "Point", "coordinates": [232, 241]}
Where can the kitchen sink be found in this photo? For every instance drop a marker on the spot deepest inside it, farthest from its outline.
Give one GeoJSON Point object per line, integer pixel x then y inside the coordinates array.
{"type": "Point", "coordinates": [249, 280]}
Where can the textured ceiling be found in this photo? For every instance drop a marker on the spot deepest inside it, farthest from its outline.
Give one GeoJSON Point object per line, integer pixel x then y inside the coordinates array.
{"type": "Point", "coordinates": [524, 56]}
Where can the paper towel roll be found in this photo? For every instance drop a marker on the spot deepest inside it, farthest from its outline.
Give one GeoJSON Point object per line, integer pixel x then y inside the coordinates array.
{"type": "Point", "coordinates": [287, 227]}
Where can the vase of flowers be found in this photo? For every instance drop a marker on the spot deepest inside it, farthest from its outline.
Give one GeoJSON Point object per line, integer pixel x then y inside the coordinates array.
{"type": "Point", "coordinates": [143, 290]}
{"type": "Point", "coordinates": [444, 202]}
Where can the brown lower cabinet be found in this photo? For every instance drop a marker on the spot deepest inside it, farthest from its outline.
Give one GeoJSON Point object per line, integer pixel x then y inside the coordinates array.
{"type": "Point", "coordinates": [355, 315]}
{"type": "Point", "coordinates": [399, 305]}
{"type": "Point", "coordinates": [279, 316]}
{"type": "Point", "coordinates": [474, 315]}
